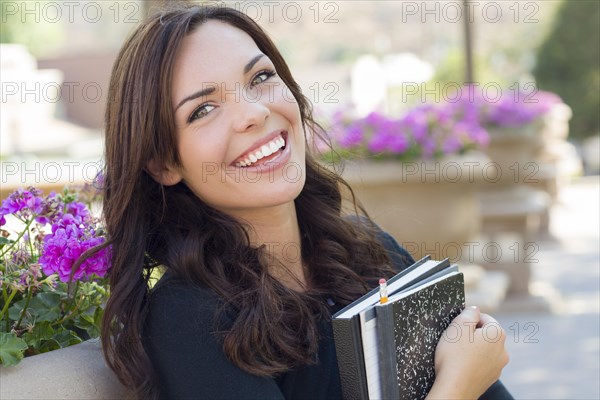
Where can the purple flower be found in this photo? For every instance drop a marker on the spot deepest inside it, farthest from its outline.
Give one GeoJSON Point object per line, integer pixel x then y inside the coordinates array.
{"type": "Point", "coordinates": [428, 147]}
{"type": "Point", "coordinates": [29, 276]}
{"type": "Point", "coordinates": [78, 210]}
{"type": "Point", "coordinates": [431, 130]}
{"type": "Point", "coordinates": [416, 123]}
{"type": "Point", "coordinates": [20, 256]}
{"type": "Point", "coordinates": [67, 242]}
{"type": "Point", "coordinates": [99, 181]}
{"type": "Point", "coordinates": [399, 144]}
{"type": "Point", "coordinates": [51, 209]}
{"type": "Point", "coordinates": [451, 145]}
{"type": "Point", "coordinates": [515, 110]}
{"type": "Point", "coordinates": [478, 135]}
{"type": "Point", "coordinates": [23, 203]}
{"type": "Point", "coordinates": [351, 137]}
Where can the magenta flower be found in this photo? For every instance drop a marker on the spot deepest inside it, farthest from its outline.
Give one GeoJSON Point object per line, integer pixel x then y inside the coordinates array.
{"type": "Point", "coordinates": [44, 241]}
{"type": "Point", "coordinates": [416, 124]}
{"type": "Point", "coordinates": [52, 208]}
{"type": "Point", "coordinates": [25, 204]}
{"type": "Point", "coordinates": [22, 203]}
{"type": "Point", "coordinates": [67, 242]}
{"type": "Point", "coordinates": [20, 256]}
{"type": "Point", "coordinates": [433, 130]}
{"type": "Point", "coordinates": [99, 181]}
{"type": "Point", "coordinates": [79, 211]}
{"type": "Point", "coordinates": [352, 137]}
{"type": "Point", "coordinates": [451, 145]}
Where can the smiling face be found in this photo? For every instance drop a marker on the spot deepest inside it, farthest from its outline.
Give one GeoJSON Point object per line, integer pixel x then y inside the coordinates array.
{"type": "Point", "coordinates": [240, 135]}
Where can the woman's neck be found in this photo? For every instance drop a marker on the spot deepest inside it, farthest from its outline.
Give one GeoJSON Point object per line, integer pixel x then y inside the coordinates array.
{"type": "Point", "coordinates": [278, 230]}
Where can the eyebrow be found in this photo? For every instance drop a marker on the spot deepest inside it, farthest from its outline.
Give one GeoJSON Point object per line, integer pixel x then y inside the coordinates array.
{"type": "Point", "coordinates": [210, 90]}
{"type": "Point", "coordinates": [252, 62]}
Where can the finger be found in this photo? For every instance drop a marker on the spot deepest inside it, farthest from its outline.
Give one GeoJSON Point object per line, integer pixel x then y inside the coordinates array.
{"type": "Point", "coordinates": [468, 317]}
{"type": "Point", "coordinates": [486, 319]}
{"type": "Point", "coordinates": [471, 313]}
{"type": "Point", "coordinates": [492, 327]}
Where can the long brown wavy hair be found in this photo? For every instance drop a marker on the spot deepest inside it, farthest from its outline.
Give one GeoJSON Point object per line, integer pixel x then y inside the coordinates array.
{"type": "Point", "coordinates": [149, 225]}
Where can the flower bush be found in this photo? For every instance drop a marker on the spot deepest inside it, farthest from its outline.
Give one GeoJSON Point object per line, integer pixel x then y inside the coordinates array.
{"type": "Point", "coordinates": [45, 303]}
{"type": "Point", "coordinates": [511, 110]}
{"type": "Point", "coordinates": [435, 130]}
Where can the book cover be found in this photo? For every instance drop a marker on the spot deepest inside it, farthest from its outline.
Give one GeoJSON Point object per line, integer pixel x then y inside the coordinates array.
{"type": "Point", "coordinates": [347, 327]}
{"type": "Point", "coordinates": [409, 328]}
{"type": "Point", "coordinates": [366, 337]}
{"type": "Point", "coordinates": [349, 351]}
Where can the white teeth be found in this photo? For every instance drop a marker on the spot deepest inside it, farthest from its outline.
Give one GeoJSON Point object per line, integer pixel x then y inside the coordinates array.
{"type": "Point", "coordinates": [265, 151]}
{"type": "Point", "coordinates": [244, 163]}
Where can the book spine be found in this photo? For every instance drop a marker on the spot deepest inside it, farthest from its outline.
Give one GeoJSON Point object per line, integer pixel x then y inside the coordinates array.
{"type": "Point", "coordinates": [350, 358]}
{"type": "Point", "coordinates": [387, 352]}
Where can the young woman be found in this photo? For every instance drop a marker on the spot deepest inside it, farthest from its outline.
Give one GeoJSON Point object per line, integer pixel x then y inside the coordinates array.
{"type": "Point", "coordinates": [208, 179]}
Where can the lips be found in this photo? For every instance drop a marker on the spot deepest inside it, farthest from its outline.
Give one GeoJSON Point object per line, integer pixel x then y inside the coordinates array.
{"type": "Point", "coordinates": [263, 151]}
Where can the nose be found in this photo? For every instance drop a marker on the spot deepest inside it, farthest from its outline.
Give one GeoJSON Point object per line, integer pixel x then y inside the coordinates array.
{"type": "Point", "coordinates": [250, 114]}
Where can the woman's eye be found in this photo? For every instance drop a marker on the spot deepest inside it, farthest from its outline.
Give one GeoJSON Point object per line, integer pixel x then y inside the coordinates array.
{"type": "Point", "coordinates": [200, 112]}
{"type": "Point", "coordinates": [262, 76]}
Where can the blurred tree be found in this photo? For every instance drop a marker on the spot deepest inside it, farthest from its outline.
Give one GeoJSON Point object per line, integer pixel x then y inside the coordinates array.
{"type": "Point", "coordinates": [29, 29]}
{"type": "Point", "coordinates": [452, 69]}
{"type": "Point", "coordinates": [568, 63]}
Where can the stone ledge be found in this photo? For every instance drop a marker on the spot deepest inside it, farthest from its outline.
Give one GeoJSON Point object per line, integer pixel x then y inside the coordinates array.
{"type": "Point", "coordinates": [76, 372]}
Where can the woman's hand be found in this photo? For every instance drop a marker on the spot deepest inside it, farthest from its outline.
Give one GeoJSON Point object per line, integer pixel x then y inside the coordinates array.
{"type": "Point", "coordinates": [469, 356]}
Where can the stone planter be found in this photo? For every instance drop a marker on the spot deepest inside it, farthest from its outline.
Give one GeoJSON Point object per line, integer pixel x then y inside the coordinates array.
{"type": "Point", "coordinates": [513, 149]}
{"type": "Point", "coordinates": [536, 155]}
{"type": "Point", "coordinates": [430, 207]}
{"type": "Point", "coordinates": [75, 372]}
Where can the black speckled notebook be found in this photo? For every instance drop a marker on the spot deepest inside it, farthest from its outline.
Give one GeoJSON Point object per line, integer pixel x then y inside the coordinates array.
{"type": "Point", "coordinates": [408, 328]}
{"type": "Point", "coordinates": [366, 344]}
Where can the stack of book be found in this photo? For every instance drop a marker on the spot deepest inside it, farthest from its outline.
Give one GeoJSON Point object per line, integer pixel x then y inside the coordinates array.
{"type": "Point", "coordinates": [386, 349]}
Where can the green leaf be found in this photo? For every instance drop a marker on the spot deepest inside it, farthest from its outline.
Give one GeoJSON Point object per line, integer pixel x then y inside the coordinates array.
{"type": "Point", "coordinates": [90, 322]}
{"type": "Point", "coordinates": [42, 307]}
{"type": "Point", "coordinates": [4, 241]}
{"type": "Point", "coordinates": [11, 348]}
{"type": "Point", "coordinates": [67, 338]}
{"type": "Point", "coordinates": [48, 345]}
{"type": "Point", "coordinates": [61, 287]}
{"type": "Point", "coordinates": [41, 331]}
{"type": "Point", "coordinates": [14, 312]}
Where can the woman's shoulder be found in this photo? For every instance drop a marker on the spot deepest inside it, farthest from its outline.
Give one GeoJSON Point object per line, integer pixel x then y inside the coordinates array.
{"type": "Point", "coordinates": [174, 300]}
{"type": "Point", "coordinates": [400, 258]}
{"type": "Point", "coordinates": [169, 286]}
{"type": "Point", "coordinates": [398, 255]}
{"type": "Point", "coordinates": [178, 310]}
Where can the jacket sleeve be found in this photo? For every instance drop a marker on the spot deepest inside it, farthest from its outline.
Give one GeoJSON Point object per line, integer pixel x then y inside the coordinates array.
{"type": "Point", "coordinates": [497, 392]}
{"type": "Point", "coordinates": [184, 350]}
{"type": "Point", "coordinates": [400, 258]}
